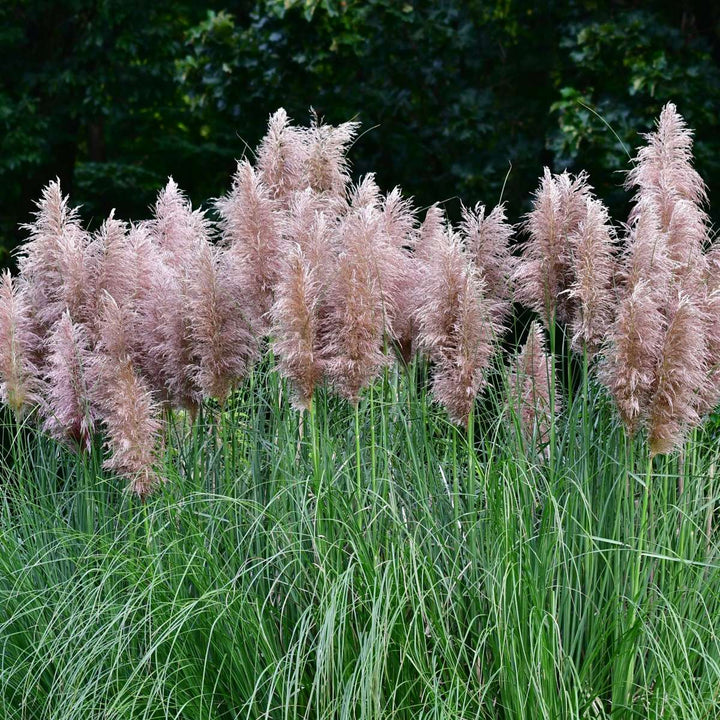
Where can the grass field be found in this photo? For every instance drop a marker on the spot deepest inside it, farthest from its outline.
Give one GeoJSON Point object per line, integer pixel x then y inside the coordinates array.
{"type": "Point", "coordinates": [369, 563]}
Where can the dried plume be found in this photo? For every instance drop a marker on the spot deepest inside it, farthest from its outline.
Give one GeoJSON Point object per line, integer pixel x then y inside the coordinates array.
{"type": "Point", "coordinates": [544, 273]}
{"type": "Point", "coordinates": [19, 375]}
{"type": "Point", "coordinates": [326, 165]}
{"type": "Point", "coordinates": [680, 376]}
{"type": "Point", "coordinates": [399, 227]}
{"type": "Point", "coordinates": [53, 261]}
{"type": "Point", "coordinates": [251, 224]}
{"type": "Point", "coordinates": [636, 337]}
{"type": "Point", "coordinates": [296, 326]}
{"type": "Point", "coordinates": [223, 343]}
{"type": "Point", "coordinates": [455, 327]}
{"type": "Point", "coordinates": [354, 319]}
{"type": "Point", "coordinates": [531, 392]}
{"type": "Point", "coordinates": [176, 228]}
{"type": "Point", "coordinates": [68, 409]}
{"type": "Point", "coordinates": [595, 270]}
{"type": "Point", "coordinates": [125, 403]}
{"type": "Point", "coordinates": [710, 397]}
{"type": "Point", "coordinates": [487, 239]}
{"type": "Point", "coordinates": [281, 158]}
{"type": "Point", "coordinates": [164, 338]}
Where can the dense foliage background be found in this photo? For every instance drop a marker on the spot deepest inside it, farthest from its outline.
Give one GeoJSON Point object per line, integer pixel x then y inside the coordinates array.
{"type": "Point", "coordinates": [461, 99]}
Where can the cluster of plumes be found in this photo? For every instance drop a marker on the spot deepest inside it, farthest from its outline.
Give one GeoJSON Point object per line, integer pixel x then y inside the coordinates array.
{"type": "Point", "coordinates": [108, 330]}
{"type": "Point", "coordinates": [651, 310]}
{"type": "Point", "coordinates": [663, 355]}
{"type": "Point", "coordinates": [113, 328]}
{"type": "Point", "coordinates": [567, 269]}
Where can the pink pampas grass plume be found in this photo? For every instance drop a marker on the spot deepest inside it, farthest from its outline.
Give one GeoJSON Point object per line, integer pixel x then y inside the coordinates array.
{"type": "Point", "coordinates": [355, 314]}
{"type": "Point", "coordinates": [544, 272]}
{"type": "Point", "coordinates": [487, 239]}
{"type": "Point", "coordinates": [681, 375]}
{"type": "Point", "coordinates": [69, 415]}
{"type": "Point", "coordinates": [663, 174]}
{"type": "Point", "coordinates": [223, 343]}
{"type": "Point", "coordinates": [281, 158]}
{"type": "Point", "coordinates": [636, 342]}
{"type": "Point", "coordinates": [298, 343]}
{"type": "Point", "coordinates": [455, 327]}
{"type": "Point", "coordinates": [531, 392]}
{"type": "Point", "coordinates": [326, 165]}
{"type": "Point", "coordinates": [125, 403]}
{"type": "Point", "coordinates": [595, 269]}
{"type": "Point", "coordinates": [399, 226]}
{"type": "Point", "coordinates": [176, 228]}
{"type": "Point", "coordinates": [666, 161]}
{"type": "Point", "coordinates": [709, 399]}
{"type": "Point", "coordinates": [251, 225]}
{"type": "Point", "coordinates": [19, 344]}
{"type": "Point", "coordinates": [53, 261]}
{"type": "Point", "coordinates": [164, 346]}
{"type": "Point", "coordinates": [430, 238]}
{"type": "Point", "coordinates": [307, 225]}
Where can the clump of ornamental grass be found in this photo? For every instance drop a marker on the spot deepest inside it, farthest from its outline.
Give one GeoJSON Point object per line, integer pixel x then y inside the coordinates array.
{"type": "Point", "coordinates": [533, 398]}
{"type": "Point", "coordinates": [659, 367]}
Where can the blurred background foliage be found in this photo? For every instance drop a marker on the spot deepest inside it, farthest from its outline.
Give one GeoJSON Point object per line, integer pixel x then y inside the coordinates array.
{"type": "Point", "coordinates": [460, 100]}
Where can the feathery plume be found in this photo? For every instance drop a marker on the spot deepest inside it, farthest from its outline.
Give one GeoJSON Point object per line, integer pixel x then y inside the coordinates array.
{"type": "Point", "coordinates": [709, 399]}
{"type": "Point", "coordinates": [296, 327]}
{"type": "Point", "coordinates": [544, 272]}
{"type": "Point", "coordinates": [636, 345]}
{"type": "Point", "coordinates": [250, 221]}
{"type": "Point", "coordinates": [69, 414]}
{"type": "Point", "coordinates": [430, 238]}
{"type": "Point", "coordinates": [326, 166]}
{"type": "Point", "coordinates": [594, 271]}
{"type": "Point", "coordinates": [487, 239]}
{"type": "Point", "coordinates": [19, 381]}
{"type": "Point", "coordinates": [354, 319]}
{"type": "Point", "coordinates": [281, 157]}
{"type": "Point", "coordinates": [398, 229]}
{"type": "Point", "coordinates": [223, 344]}
{"type": "Point", "coordinates": [681, 375]}
{"type": "Point", "coordinates": [125, 403]}
{"type": "Point", "coordinates": [666, 161]}
{"type": "Point", "coordinates": [176, 228]}
{"type": "Point", "coordinates": [53, 261]}
{"type": "Point", "coordinates": [163, 338]}
{"type": "Point", "coordinates": [455, 327]}
{"type": "Point", "coordinates": [531, 390]}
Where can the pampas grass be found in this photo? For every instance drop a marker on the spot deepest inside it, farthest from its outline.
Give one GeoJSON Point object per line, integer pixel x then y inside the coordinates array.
{"type": "Point", "coordinates": [19, 346]}
{"type": "Point", "coordinates": [126, 406]}
{"type": "Point", "coordinates": [455, 324]}
{"type": "Point", "coordinates": [69, 413]}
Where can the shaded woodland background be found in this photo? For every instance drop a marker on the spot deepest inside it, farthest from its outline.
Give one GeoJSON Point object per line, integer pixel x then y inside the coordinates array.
{"type": "Point", "coordinates": [460, 100]}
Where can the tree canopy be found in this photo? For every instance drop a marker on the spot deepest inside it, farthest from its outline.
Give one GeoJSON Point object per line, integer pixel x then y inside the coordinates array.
{"type": "Point", "coordinates": [460, 100]}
